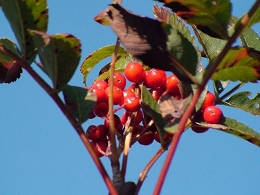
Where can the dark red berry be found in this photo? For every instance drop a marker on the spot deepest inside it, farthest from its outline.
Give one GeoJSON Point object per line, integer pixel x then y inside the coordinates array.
{"type": "Point", "coordinates": [93, 132]}
{"type": "Point", "coordinates": [100, 147]}
{"type": "Point", "coordinates": [127, 116]}
{"type": "Point", "coordinates": [198, 129]}
{"type": "Point", "coordinates": [101, 109]}
{"type": "Point", "coordinates": [117, 122]}
{"type": "Point", "coordinates": [146, 139]}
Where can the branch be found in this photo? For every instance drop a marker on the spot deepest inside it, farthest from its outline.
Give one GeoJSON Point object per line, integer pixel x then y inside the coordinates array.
{"type": "Point", "coordinates": [77, 126]}
{"type": "Point", "coordinates": [190, 108]}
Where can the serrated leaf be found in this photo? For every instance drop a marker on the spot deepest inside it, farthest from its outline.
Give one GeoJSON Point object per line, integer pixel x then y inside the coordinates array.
{"type": "Point", "coordinates": [211, 46]}
{"type": "Point", "coordinates": [10, 70]}
{"type": "Point", "coordinates": [211, 17]}
{"type": "Point", "coordinates": [248, 38]}
{"type": "Point", "coordinates": [242, 101]}
{"type": "Point", "coordinates": [240, 63]}
{"type": "Point", "coordinates": [253, 19]}
{"type": "Point", "coordinates": [79, 101]}
{"type": "Point", "coordinates": [236, 128]}
{"type": "Point", "coordinates": [97, 56]}
{"type": "Point", "coordinates": [59, 54]}
{"type": "Point", "coordinates": [24, 15]}
{"type": "Point", "coordinates": [152, 109]}
{"type": "Point", "coordinates": [145, 39]}
{"type": "Point", "coordinates": [180, 47]}
{"type": "Point", "coordinates": [199, 78]}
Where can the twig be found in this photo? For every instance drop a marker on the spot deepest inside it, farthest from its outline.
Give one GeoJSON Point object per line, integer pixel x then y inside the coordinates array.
{"type": "Point", "coordinates": [77, 126]}
{"type": "Point", "coordinates": [232, 90]}
{"type": "Point", "coordinates": [144, 172]}
{"type": "Point", "coordinates": [190, 108]}
{"type": "Point", "coordinates": [115, 154]}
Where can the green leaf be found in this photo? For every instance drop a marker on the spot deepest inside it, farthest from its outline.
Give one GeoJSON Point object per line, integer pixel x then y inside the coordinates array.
{"type": "Point", "coordinates": [79, 101]}
{"type": "Point", "coordinates": [97, 56]}
{"type": "Point", "coordinates": [10, 70]}
{"type": "Point", "coordinates": [211, 46]}
{"type": "Point", "coordinates": [211, 17]}
{"type": "Point", "coordinates": [59, 54]}
{"type": "Point", "coordinates": [248, 38]}
{"type": "Point", "coordinates": [180, 47]}
{"type": "Point", "coordinates": [240, 63]}
{"type": "Point", "coordinates": [236, 128]}
{"type": "Point", "coordinates": [24, 15]}
{"type": "Point", "coordinates": [255, 18]}
{"type": "Point", "coordinates": [152, 109]}
{"type": "Point", "coordinates": [242, 101]}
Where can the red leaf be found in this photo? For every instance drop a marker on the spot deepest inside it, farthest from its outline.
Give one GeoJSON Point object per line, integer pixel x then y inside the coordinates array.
{"type": "Point", "coordinates": [10, 72]}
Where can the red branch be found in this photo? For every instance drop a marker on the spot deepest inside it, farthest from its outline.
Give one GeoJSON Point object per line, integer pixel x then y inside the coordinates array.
{"type": "Point", "coordinates": [77, 126]}
{"type": "Point", "coordinates": [187, 114]}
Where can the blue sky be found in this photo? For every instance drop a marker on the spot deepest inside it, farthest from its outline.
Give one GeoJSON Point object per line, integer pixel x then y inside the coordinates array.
{"type": "Point", "coordinates": [41, 153]}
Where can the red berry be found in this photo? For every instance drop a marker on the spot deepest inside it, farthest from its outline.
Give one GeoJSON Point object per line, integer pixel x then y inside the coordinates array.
{"type": "Point", "coordinates": [100, 147]}
{"type": "Point", "coordinates": [119, 80]}
{"type": "Point", "coordinates": [208, 101]}
{"type": "Point", "coordinates": [172, 84]}
{"type": "Point", "coordinates": [138, 129]}
{"type": "Point", "coordinates": [131, 103]}
{"type": "Point", "coordinates": [128, 92]}
{"type": "Point", "coordinates": [101, 94]}
{"type": "Point", "coordinates": [100, 84]}
{"type": "Point", "coordinates": [156, 93]}
{"type": "Point", "coordinates": [93, 132]}
{"type": "Point", "coordinates": [127, 116]}
{"type": "Point", "coordinates": [117, 122]}
{"type": "Point", "coordinates": [103, 131]}
{"type": "Point", "coordinates": [156, 136]}
{"type": "Point", "coordinates": [134, 72]}
{"type": "Point", "coordinates": [146, 139]}
{"type": "Point", "coordinates": [117, 94]}
{"type": "Point", "coordinates": [155, 78]}
{"type": "Point", "coordinates": [199, 129]}
{"type": "Point", "coordinates": [213, 115]}
{"type": "Point", "coordinates": [101, 109]}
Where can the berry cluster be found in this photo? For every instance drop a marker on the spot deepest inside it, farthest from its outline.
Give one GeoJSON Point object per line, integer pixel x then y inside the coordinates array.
{"type": "Point", "coordinates": [208, 113]}
{"type": "Point", "coordinates": [132, 119]}
{"type": "Point", "coordinates": [128, 99]}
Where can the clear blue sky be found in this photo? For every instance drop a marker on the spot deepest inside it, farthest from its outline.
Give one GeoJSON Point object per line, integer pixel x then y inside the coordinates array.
{"type": "Point", "coordinates": [40, 153]}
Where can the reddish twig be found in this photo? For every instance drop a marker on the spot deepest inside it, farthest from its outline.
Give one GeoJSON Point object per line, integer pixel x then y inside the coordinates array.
{"type": "Point", "coordinates": [77, 126]}
{"type": "Point", "coordinates": [190, 108]}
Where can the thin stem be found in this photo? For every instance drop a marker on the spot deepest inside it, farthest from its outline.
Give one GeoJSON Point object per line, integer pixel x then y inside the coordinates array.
{"type": "Point", "coordinates": [232, 90]}
{"type": "Point", "coordinates": [144, 172]}
{"type": "Point", "coordinates": [114, 155]}
{"type": "Point", "coordinates": [194, 100]}
{"type": "Point", "coordinates": [77, 126]}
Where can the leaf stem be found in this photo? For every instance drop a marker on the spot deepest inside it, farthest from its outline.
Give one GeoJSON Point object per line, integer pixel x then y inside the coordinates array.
{"type": "Point", "coordinates": [232, 90]}
{"type": "Point", "coordinates": [77, 126]}
{"type": "Point", "coordinates": [194, 100]}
